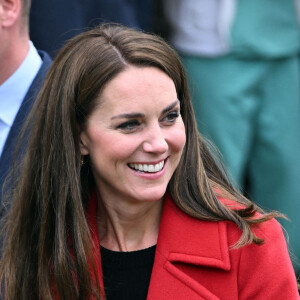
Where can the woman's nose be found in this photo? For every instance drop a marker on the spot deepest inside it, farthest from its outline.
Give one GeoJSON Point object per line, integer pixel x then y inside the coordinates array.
{"type": "Point", "coordinates": [155, 141]}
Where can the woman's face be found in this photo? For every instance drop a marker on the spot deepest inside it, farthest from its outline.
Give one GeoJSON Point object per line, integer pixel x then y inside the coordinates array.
{"type": "Point", "coordinates": [135, 137]}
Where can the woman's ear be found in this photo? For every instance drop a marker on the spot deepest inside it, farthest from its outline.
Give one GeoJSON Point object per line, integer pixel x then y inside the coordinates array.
{"type": "Point", "coordinates": [83, 144]}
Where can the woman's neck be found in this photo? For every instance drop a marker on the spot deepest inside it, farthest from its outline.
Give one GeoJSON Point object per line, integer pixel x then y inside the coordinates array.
{"type": "Point", "coordinates": [128, 226]}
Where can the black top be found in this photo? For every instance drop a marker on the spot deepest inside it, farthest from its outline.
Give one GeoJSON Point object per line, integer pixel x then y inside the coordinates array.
{"type": "Point", "coordinates": [126, 275]}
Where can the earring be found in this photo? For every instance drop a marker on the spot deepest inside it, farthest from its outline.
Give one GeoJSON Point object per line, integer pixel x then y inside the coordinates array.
{"type": "Point", "coordinates": [81, 160]}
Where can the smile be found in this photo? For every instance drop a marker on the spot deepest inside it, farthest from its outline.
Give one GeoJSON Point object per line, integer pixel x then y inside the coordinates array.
{"type": "Point", "coordinates": [148, 167]}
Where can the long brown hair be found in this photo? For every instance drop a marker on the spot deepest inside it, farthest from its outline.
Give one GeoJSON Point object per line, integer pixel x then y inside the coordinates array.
{"type": "Point", "coordinates": [48, 206]}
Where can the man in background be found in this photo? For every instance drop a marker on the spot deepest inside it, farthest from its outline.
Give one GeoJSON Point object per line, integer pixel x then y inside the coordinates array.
{"type": "Point", "coordinates": [22, 70]}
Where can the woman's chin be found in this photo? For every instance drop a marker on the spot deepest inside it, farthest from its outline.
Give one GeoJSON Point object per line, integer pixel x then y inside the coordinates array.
{"type": "Point", "coordinates": [152, 195]}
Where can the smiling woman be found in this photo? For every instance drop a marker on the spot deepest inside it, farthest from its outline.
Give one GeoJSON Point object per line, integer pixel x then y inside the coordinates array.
{"type": "Point", "coordinates": [134, 140]}
{"type": "Point", "coordinates": [120, 197]}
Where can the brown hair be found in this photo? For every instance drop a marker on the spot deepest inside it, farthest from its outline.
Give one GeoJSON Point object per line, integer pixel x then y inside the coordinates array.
{"type": "Point", "coordinates": [48, 206]}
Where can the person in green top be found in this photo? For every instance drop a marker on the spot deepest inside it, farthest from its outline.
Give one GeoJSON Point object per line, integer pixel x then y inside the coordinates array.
{"type": "Point", "coordinates": [242, 59]}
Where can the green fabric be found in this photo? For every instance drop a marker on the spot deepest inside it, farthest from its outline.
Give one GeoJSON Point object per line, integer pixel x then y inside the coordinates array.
{"type": "Point", "coordinates": [251, 110]}
{"type": "Point", "coordinates": [265, 28]}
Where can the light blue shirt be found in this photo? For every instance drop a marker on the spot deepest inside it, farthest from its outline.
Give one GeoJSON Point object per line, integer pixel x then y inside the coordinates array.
{"type": "Point", "coordinates": [14, 89]}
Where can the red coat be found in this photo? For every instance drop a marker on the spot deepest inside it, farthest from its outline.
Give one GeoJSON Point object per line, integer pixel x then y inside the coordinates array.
{"type": "Point", "coordinates": [193, 260]}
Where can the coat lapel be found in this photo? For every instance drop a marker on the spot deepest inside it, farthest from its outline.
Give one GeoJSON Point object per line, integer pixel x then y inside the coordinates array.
{"type": "Point", "coordinates": [185, 245]}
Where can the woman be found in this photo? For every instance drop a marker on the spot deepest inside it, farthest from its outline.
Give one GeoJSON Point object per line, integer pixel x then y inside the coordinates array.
{"type": "Point", "coordinates": [119, 196]}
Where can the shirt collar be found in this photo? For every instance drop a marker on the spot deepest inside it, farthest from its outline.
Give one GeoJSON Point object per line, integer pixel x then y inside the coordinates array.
{"type": "Point", "coordinates": [14, 89]}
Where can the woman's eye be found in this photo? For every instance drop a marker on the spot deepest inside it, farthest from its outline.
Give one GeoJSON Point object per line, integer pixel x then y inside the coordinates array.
{"type": "Point", "coordinates": [171, 116]}
{"type": "Point", "coordinates": [129, 125]}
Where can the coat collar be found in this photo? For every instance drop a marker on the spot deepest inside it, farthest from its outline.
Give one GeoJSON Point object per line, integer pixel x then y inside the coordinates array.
{"type": "Point", "coordinates": [188, 240]}
{"type": "Point", "coordinates": [182, 240]}
{"type": "Point", "coordinates": [184, 245]}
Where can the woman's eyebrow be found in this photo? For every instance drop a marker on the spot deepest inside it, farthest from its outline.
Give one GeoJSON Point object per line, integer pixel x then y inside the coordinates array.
{"type": "Point", "coordinates": [140, 115]}
{"type": "Point", "coordinates": [171, 106]}
{"type": "Point", "coordinates": [128, 116]}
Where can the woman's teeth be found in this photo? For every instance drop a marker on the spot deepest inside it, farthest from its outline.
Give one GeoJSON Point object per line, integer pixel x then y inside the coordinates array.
{"type": "Point", "coordinates": [148, 168]}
